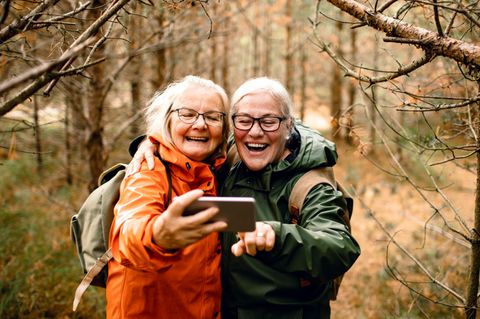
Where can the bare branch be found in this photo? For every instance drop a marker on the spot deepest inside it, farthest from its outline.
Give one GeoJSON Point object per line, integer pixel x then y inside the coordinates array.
{"type": "Point", "coordinates": [47, 77]}
{"type": "Point", "coordinates": [457, 50]}
{"type": "Point", "coordinates": [440, 107]}
{"type": "Point", "coordinates": [437, 18]}
{"type": "Point", "coordinates": [401, 71]}
{"type": "Point", "coordinates": [18, 25]}
{"type": "Point", "coordinates": [43, 68]}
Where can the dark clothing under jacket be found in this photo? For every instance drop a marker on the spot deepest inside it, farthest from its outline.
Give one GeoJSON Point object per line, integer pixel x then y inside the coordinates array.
{"type": "Point", "coordinates": [294, 280]}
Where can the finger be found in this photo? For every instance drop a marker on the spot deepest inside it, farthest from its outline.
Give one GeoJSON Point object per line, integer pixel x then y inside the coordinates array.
{"type": "Point", "coordinates": [213, 227]}
{"type": "Point", "coordinates": [133, 167]}
{"type": "Point", "coordinates": [129, 170]}
{"type": "Point", "coordinates": [179, 203]}
{"type": "Point", "coordinates": [238, 248]}
{"type": "Point", "coordinates": [203, 216]}
{"type": "Point", "coordinates": [269, 238]}
{"type": "Point", "coordinates": [250, 241]}
{"type": "Point", "coordinates": [150, 159]}
{"type": "Point", "coordinates": [260, 240]}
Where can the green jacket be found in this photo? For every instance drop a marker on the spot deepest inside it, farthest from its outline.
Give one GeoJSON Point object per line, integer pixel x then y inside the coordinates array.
{"type": "Point", "coordinates": [294, 279]}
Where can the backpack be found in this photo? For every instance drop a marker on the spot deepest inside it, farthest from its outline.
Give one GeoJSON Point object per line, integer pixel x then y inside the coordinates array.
{"type": "Point", "coordinates": [90, 228]}
{"type": "Point", "coordinates": [319, 175]}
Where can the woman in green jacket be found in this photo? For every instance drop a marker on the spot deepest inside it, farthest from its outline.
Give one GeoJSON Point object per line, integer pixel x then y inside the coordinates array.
{"type": "Point", "coordinates": [281, 270]}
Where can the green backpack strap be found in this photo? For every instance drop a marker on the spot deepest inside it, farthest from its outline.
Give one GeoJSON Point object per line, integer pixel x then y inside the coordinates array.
{"type": "Point", "coordinates": [320, 175]}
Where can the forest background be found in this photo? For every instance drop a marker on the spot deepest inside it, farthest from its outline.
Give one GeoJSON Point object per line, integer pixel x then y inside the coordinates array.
{"type": "Point", "coordinates": [394, 83]}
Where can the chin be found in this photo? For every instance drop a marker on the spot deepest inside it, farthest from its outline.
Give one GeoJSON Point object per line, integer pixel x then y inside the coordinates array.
{"type": "Point", "coordinates": [256, 166]}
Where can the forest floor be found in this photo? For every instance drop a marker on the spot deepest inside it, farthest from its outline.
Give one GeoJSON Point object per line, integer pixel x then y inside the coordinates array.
{"type": "Point", "coordinates": [390, 204]}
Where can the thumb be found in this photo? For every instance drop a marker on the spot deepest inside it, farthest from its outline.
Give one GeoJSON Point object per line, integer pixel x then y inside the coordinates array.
{"type": "Point", "coordinates": [238, 248]}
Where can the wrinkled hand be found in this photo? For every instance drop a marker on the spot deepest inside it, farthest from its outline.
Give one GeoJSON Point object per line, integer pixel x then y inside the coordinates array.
{"type": "Point", "coordinates": [171, 230]}
{"type": "Point", "coordinates": [145, 151]}
{"type": "Point", "coordinates": [261, 239]}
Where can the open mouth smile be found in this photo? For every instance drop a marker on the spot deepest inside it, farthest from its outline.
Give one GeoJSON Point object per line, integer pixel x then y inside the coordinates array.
{"type": "Point", "coordinates": [256, 147]}
{"type": "Point", "coordinates": [197, 139]}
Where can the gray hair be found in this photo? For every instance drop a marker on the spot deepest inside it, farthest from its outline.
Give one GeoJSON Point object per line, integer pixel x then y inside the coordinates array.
{"type": "Point", "coordinates": [264, 84]}
{"type": "Point", "coordinates": [157, 112]}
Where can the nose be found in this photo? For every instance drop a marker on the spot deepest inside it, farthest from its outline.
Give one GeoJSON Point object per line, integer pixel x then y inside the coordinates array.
{"type": "Point", "coordinates": [256, 129]}
{"type": "Point", "coordinates": [199, 123]}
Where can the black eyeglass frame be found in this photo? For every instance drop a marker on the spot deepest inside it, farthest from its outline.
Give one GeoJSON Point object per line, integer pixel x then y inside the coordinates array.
{"type": "Point", "coordinates": [259, 120]}
{"type": "Point", "coordinates": [198, 115]}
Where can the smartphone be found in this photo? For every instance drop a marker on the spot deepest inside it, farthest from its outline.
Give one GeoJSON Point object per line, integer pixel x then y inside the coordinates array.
{"type": "Point", "coordinates": [238, 212]}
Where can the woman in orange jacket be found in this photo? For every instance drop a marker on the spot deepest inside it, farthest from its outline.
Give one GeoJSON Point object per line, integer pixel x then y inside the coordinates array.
{"type": "Point", "coordinates": [166, 265]}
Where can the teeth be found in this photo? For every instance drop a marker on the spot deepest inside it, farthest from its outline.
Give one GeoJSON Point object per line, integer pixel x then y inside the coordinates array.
{"type": "Point", "coordinates": [200, 139]}
{"type": "Point", "coordinates": [255, 145]}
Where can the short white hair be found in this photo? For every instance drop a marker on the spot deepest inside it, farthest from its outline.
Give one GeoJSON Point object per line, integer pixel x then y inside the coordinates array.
{"type": "Point", "coordinates": [268, 85]}
{"type": "Point", "coordinates": [157, 112]}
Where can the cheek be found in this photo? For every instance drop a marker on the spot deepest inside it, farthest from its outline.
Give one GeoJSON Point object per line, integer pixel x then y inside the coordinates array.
{"type": "Point", "coordinates": [178, 130]}
{"type": "Point", "coordinates": [239, 135]}
{"type": "Point", "coordinates": [216, 135]}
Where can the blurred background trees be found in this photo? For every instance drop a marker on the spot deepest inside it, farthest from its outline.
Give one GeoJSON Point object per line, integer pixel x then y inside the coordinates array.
{"type": "Point", "coordinates": [394, 83]}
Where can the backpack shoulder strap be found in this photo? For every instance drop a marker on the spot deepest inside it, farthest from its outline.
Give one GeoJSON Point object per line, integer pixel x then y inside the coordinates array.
{"type": "Point", "coordinates": [319, 175]}
{"type": "Point", "coordinates": [303, 186]}
{"type": "Point", "coordinates": [87, 280]}
{"type": "Point", "coordinates": [169, 179]}
{"type": "Point", "coordinates": [109, 173]}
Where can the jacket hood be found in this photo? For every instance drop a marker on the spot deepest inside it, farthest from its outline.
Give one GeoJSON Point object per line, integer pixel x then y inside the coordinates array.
{"type": "Point", "coordinates": [315, 150]}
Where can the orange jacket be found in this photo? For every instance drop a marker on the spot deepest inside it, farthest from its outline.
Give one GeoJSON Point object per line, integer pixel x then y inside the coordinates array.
{"type": "Point", "coordinates": [145, 281]}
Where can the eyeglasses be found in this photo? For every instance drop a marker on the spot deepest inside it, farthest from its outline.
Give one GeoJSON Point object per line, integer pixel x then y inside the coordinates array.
{"type": "Point", "coordinates": [189, 116]}
{"type": "Point", "coordinates": [267, 123]}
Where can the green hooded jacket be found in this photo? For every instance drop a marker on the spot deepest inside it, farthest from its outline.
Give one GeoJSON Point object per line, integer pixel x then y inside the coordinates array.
{"type": "Point", "coordinates": [294, 280]}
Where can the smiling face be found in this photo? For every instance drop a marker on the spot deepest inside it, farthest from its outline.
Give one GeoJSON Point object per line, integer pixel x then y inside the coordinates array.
{"type": "Point", "coordinates": [197, 140]}
{"type": "Point", "coordinates": [257, 148]}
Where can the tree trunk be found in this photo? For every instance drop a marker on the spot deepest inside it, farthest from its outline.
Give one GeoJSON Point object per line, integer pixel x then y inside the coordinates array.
{"type": "Point", "coordinates": [68, 148]}
{"type": "Point", "coordinates": [94, 144]}
{"type": "Point", "coordinates": [473, 277]}
{"type": "Point", "coordinates": [225, 60]}
{"type": "Point", "coordinates": [256, 60]}
{"type": "Point", "coordinates": [213, 50]}
{"type": "Point", "coordinates": [336, 98]}
{"type": "Point", "coordinates": [303, 84]}
{"type": "Point", "coordinates": [373, 112]}
{"type": "Point", "coordinates": [135, 31]}
{"type": "Point", "coordinates": [38, 140]}
{"type": "Point", "coordinates": [135, 76]}
{"type": "Point", "coordinates": [268, 45]}
{"type": "Point", "coordinates": [161, 70]}
{"type": "Point", "coordinates": [288, 49]}
{"type": "Point", "coordinates": [352, 91]}
{"type": "Point", "coordinates": [197, 54]}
